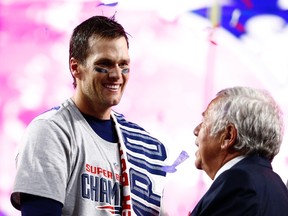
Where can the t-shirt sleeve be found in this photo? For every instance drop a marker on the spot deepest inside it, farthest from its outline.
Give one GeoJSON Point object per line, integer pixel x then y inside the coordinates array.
{"type": "Point", "coordinates": [43, 162]}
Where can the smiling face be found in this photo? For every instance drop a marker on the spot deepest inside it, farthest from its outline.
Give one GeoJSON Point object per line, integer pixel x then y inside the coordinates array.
{"type": "Point", "coordinates": [102, 78]}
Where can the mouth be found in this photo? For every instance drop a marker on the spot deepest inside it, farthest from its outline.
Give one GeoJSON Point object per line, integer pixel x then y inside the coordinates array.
{"type": "Point", "coordinates": [111, 87]}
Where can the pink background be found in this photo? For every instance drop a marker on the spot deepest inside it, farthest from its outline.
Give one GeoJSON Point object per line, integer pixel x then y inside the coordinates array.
{"type": "Point", "coordinates": [176, 71]}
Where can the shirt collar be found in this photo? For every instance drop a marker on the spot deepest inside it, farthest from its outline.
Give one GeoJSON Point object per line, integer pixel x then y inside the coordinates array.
{"type": "Point", "coordinates": [229, 164]}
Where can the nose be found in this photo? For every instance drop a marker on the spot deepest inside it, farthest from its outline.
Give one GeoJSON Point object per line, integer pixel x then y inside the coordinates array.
{"type": "Point", "coordinates": [115, 73]}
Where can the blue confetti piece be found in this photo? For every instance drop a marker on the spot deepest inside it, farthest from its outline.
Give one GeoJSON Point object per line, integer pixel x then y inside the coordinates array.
{"type": "Point", "coordinates": [109, 4]}
{"type": "Point", "coordinates": [180, 159]}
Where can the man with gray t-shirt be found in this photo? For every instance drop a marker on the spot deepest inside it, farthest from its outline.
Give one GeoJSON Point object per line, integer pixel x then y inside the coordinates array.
{"type": "Point", "coordinates": [81, 157]}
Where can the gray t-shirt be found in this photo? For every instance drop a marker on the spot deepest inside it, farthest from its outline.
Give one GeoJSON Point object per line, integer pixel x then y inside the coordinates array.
{"type": "Point", "coordinates": [62, 158]}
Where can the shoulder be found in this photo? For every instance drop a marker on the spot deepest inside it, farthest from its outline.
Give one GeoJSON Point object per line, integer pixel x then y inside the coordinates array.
{"type": "Point", "coordinates": [125, 124]}
{"type": "Point", "coordinates": [236, 183]}
{"type": "Point", "coordinates": [236, 175]}
{"type": "Point", "coordinates": [57, 117]}
{"type": "Point", "coordinates": [231, 185]}
{"type": "Point", "coordinates": [65, 111]}
{"type": "Point", "coordinates": [133, 133]}
{"type": "Point", "coordinates": [234, 179]}
{"type": "Point", "coordinates": [243, 171]}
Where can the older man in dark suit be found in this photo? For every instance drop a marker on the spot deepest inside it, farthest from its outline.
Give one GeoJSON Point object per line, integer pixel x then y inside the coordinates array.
{"type": "Point", "coordinates": [240, 134]}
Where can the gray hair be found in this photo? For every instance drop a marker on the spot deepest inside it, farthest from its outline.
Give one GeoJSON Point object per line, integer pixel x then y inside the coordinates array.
{"type": "Point", "coordinates": [256, 116]}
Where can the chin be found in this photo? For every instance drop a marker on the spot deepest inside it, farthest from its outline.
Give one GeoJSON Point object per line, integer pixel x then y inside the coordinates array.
{"type": "Point", "coordinates": [114, 103]}
{"type": "Point", "coordinates": [198, 165]}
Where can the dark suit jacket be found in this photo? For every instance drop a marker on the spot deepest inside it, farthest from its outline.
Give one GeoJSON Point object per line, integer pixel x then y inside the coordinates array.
{"type": "Point", "coordinates": [249, 188]}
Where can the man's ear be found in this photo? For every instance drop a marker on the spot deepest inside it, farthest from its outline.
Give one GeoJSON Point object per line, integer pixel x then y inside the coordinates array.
{"type": "Point", "coordinates": [229, 136]}
{"type": "Point", "coordinates": [74, 67]}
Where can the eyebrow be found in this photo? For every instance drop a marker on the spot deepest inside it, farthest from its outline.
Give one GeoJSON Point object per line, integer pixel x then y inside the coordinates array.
{"type": "Point", "coordinates": [107, 60]}
{"type": "Point", "coordinates": [103, 60]}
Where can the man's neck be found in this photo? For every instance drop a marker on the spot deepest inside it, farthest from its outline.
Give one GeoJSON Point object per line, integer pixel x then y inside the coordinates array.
{"type": "Point", "coordinates": [92, 110]}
